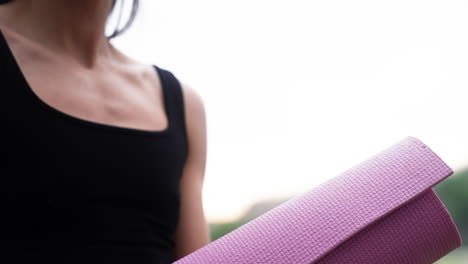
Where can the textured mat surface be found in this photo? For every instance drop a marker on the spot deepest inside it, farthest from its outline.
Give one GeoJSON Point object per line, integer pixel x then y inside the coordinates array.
{"type": "Point", "coordinates": [380, 211]}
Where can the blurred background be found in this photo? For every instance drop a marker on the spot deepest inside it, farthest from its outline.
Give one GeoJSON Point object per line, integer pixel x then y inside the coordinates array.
{"type": "Point", "coordinates": [298, 91]}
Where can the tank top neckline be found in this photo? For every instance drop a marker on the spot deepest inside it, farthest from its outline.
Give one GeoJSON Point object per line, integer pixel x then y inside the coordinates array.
{"type": "Point", "coordinates": [89, 123]}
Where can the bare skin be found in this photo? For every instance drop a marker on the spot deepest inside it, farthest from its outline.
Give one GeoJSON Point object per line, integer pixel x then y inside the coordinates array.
{"type": "Point", "coordinates": [68, 62]}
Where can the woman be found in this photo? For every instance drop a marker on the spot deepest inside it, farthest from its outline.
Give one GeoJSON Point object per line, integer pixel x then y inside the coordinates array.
{"type": "Point", "coordinates": [107, 154]}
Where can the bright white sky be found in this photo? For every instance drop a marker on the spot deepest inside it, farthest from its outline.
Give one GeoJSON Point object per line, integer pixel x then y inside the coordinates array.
{"type": "Point", "coordinates": [297, 91]}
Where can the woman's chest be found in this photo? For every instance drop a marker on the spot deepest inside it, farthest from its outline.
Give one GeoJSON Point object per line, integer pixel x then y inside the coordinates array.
{"type": "Point", "coordinates": [84, 169]}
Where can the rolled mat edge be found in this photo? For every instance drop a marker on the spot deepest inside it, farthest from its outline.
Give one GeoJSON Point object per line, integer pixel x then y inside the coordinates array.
{"type": "Point", "coordinates": [306, 228]}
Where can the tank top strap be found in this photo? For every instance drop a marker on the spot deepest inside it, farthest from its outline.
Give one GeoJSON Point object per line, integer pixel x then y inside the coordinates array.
{"type": "Point", "coordinates": [9, 77]}
{"type": "Point", "coordinates": [172, 86]}
{"type": "Point", "coordinates": [5, 59]}
{"type": "Point", "coordinates": [2, 45]}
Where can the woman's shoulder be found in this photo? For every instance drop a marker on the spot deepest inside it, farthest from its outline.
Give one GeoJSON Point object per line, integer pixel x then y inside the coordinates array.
{"type": "Point", "coordinates": [193, 101]}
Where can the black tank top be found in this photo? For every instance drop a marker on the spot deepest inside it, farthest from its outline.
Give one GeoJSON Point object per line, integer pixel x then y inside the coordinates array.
{"type": "Point", "coordinates": [78, 191]}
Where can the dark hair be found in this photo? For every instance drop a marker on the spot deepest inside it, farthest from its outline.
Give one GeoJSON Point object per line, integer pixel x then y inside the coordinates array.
{"type": "Point", "coordinates": [117, 31]}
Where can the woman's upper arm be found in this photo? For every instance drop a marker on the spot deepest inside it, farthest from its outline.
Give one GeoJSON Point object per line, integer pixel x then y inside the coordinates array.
{"type": "Point", "coordinates": [193, 230]}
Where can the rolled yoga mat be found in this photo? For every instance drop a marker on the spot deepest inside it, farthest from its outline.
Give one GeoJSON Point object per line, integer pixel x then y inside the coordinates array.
{"type": "Point", "coordinates": [381, 211]}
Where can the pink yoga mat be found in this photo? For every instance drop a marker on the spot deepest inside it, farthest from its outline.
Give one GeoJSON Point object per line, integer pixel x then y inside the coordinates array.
{"type": "Point", "coordinates": [382, 211]}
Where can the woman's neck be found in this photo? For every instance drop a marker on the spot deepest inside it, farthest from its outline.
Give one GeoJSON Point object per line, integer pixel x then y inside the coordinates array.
{"type": "Point", "coordinates": [72, 27]}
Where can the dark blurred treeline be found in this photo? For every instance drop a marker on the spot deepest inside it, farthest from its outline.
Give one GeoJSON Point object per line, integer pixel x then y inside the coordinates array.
{"type": "Point", "coordinates": [454, 194]}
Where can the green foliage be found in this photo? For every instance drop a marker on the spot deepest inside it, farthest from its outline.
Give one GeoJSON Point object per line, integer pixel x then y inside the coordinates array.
{"type": "Point", "coordinates": [219, 230]}
{"type": "Point", "coordinates": [454, 194]}
{"type": "Point", "coordinates": [458, 256]}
